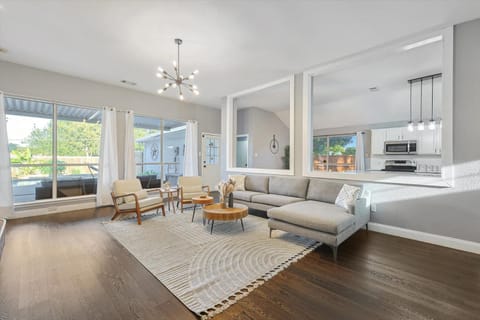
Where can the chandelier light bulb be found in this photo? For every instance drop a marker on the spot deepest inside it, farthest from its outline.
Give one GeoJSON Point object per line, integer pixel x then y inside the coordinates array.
{"type": "Point", "coordinates": [421, 126]}
{"type": "Point", "coordinates": [410, 126]}
{"type": "Point", "coordinates": [432, 125]}
{"type": "Point", "coordinates": [176, 79]}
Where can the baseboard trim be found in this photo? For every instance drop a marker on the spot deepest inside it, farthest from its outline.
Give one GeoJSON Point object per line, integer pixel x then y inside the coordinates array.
{"type": "Point", "coordinates": [453, 243]}
{"type": "Point", "coordinates": [51, 209]}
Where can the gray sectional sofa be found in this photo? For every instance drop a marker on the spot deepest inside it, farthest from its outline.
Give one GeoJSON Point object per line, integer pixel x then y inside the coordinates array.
{"type": "Point", "coordinates": [305, 207]}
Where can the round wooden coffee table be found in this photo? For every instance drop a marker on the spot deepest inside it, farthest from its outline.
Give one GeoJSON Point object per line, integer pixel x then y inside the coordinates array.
{"type": "Point", "coordinates": [201, 201]}
{"type": "Point", "coordinates": [218, 211]}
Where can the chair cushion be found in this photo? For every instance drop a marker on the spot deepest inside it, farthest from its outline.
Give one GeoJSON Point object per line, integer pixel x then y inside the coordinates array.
{"type": "Point", "coordinates": [190, 195]}
{"type": "Point", "coordinates": [288, 186]}
{"type": "Point", "coordinates": [275, 199]}
{"type": "Point", "coordinates": [142, 194]}
{"type": "Point", "coordinates": [245, 195]}
{"type": "Point", "coordinates": [147, 202]}
{"type": "Point", "coordinates": [121, 187]}
{"type": "Point", "coordinates": [314, 215]}
{"type": "Point", "coordinates": [190, 184]}
{"type": "Point", "coordinates": [256, 183]}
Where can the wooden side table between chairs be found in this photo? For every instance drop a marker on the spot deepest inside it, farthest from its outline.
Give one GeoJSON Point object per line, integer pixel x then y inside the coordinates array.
{"type": "Point", "coordinates": [201, 201]}
{"type": "Point", "coordinates": [172, 193]}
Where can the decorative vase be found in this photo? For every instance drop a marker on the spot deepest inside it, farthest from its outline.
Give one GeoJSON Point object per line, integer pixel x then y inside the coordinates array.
{"type": "Point", "coordinates": [230, 200]}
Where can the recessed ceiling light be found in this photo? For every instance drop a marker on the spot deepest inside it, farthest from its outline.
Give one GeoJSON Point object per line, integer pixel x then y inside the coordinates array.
{"type": "Point", "coordinates": [373, 89]}
{"type": "Point", "coordinates": [422, 43]}
{"type": "Point", "coordinates": [130, 83]}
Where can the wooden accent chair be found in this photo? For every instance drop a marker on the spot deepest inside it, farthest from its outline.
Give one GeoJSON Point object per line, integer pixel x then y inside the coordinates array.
{"type": "Point", "coordinates": [191, 187]}
{"type": "Point", "coordinates": [129, 197]}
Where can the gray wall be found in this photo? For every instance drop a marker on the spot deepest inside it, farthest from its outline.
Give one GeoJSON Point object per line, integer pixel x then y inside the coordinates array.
{"type": "Point", "coordinates": [36, 83]}
{"type": "Point", "coordinates": [452, 212]}
{"type": "Point", "coordinates": [261, 125]}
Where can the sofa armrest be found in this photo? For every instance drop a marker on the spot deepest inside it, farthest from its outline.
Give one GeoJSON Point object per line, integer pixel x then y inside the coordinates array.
{"type": "Point", "coordinates": [362, 210]}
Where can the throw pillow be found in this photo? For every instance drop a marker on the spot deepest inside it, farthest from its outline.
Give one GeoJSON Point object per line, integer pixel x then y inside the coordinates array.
{"type": "Point", "coordinates": [239, 182]}
{"type": "Point", "coordinates": [347, 196]}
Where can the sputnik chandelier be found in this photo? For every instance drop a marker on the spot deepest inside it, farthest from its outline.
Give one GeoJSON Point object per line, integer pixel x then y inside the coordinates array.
{"type": "Point", "coordinates": [177, 80]}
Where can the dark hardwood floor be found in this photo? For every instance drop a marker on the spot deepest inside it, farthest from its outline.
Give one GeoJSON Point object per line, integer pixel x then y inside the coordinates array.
{"type": "Point", "coordinates": [65, 266]}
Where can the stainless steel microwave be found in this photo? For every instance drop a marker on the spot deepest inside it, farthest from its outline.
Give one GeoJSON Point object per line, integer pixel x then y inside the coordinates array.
{"type": "Point", "coordinates": [400, 147]}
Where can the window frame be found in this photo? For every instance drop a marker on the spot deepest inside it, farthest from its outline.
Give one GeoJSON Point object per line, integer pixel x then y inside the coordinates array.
{"type": "Point", "coordinates": [161, 163]}
{"type": "Point", "coordinates": [54, 165]}
{"type": "Point", "coordinates": [328, 136]}
{"type": "Point", "coordinates": [231, 132]}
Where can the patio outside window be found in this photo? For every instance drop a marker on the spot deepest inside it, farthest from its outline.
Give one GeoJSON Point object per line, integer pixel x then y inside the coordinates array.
{"type": "Point", "coordinates": [52, 159]}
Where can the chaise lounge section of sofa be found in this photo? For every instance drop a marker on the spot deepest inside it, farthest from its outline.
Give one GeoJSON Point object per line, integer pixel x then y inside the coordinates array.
{"type": "Point", "coordinates": [306, 207]}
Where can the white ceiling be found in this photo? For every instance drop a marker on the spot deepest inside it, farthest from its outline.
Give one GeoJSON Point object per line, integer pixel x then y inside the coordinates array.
{"type": "Point", "coordinates": [342, 97]}
{"type": "Point", "coordinates": [235, 44]}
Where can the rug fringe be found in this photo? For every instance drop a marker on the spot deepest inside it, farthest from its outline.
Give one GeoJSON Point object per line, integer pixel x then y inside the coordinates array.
{"type": "Point", "coordinates": [241, 293]}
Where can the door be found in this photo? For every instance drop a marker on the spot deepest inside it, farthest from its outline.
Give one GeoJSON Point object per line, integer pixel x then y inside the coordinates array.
{"type": "Point", "coordinates": [242, 151]}
{"type": "Point", "coordinates": [211, 160]}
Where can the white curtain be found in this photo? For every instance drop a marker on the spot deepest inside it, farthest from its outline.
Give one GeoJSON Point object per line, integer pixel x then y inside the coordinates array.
{"type": "Point", "coordinates": [108, 168]}
{"type": "Point", "coordinates": [360, 152]}
{"type": "Point", "coordinates": [190, 162]}
{"type": "Point", "coordinates": [130, 168]}
{"type": "Point", "coordinates": [6, 196]}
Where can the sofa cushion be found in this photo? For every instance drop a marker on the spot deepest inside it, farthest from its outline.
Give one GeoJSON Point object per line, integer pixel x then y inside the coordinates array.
{"type": "Point", "coordinates": [323, 190]}
{"type": "Point", "coordinates": [245, 195]}
{"type": "Point", "coordinates": [275, 199]}
{"type": "Point", "coordinates": [288, 186]}
{"type": "Point", "coordinates": [314, 215]}
{"type": "Point", "coordinates": [256, 183]}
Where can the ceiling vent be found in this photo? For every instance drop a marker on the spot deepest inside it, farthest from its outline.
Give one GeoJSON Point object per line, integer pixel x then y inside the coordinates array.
{"type": "Point", "coordinates": [130, 83]}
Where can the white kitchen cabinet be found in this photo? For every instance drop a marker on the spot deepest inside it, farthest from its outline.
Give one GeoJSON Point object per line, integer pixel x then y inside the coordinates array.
{"type": "Point", "coordinates": [438, 140]}
{"type": "Point", "coordinates": [394, 134]}
{"type": "Point", "coordinates": [409, 135]}
{"type": "Point", "coordinates": [378, 140]}
{"type": "Point", "coordinates": [426, 142]}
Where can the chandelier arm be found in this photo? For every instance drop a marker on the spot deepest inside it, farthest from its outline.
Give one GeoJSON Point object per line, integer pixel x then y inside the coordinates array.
{"type": "Point", "coordinates": [170, 77]}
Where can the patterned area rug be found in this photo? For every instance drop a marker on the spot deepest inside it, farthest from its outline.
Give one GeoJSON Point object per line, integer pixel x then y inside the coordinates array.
{"type": "Point", "coordinates": [208, 273]}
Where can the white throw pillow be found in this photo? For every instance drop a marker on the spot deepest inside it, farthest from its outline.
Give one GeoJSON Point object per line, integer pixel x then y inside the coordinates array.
{"type": "Point", "coordinates": [239, 182]}
{"type": "Point", "coordinates": [347, 196]}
